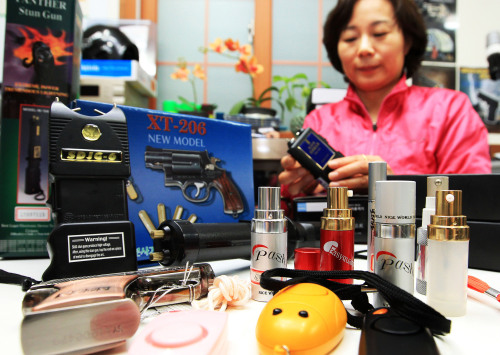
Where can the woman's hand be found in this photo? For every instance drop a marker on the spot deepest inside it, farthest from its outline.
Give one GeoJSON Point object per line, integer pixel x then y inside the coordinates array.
{"type": "Point", "coordinates": [352, 171]}
{"type": "Point", "coordinates": [297, 178]}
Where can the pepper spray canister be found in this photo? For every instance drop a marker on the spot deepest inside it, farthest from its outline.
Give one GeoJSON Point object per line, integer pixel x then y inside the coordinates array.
{"type": "Point", "coordinates": [268, 238]}
{"type": "Point", "coordinates": [434, 183]}
{"type": "Point", "coordinates": [377, 171]}
{"type": "Point", "coordinates": [394, 242]}
{"type": "Point", "coordinates": [448, 255]}
{"type": "Point", "coordinates": [337, 233]}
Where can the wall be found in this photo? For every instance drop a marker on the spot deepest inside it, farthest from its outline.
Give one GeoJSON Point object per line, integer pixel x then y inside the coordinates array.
{"type": "Point", "coordinates": [476, 18]}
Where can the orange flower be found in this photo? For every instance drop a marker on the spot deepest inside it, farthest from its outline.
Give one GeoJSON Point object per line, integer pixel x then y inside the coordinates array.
{"type": "Point", "coordinates": [246, 50]}
{"type": "Point", "coordinates": [243, 54]}
{"type": "Point", "coordinates": [199, 72]}
{"type": "Point", "coordinates": [218, 46]}
{"type": "Point", "coordinates": [249, 66]}
{"type": "Point", "coordinates": [181, 74]}
{"type": "Point", "coordinates": [232, 45]}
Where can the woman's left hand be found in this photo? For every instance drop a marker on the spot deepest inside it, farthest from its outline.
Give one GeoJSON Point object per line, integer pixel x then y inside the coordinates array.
{"type": "Point", "coordinates": [352, 171]}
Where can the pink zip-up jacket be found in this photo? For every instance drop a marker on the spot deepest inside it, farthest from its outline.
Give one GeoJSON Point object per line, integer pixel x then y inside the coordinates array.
{"type": "Point", "coordinates": [419, 130]}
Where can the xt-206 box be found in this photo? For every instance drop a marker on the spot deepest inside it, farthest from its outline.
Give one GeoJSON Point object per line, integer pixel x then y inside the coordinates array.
{"type": "Point", "coordinates": [198, 168]}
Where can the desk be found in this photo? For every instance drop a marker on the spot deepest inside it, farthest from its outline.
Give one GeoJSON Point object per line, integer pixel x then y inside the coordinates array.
{"type": "Point", "coordinates": [475, 333]}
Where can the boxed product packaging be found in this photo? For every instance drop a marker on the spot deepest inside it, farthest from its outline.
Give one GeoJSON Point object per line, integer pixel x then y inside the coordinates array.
{"type": "Point", "coordinates": [200, 169]}
{"type": "Point", "coordinates": [41, 63]}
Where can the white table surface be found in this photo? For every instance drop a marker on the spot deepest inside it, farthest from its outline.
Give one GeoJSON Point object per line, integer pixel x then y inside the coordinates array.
{"type": "Point", "coordinates": [475, 333]}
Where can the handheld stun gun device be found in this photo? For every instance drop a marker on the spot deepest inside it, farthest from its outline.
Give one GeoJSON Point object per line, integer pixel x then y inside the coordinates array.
{"type": "Point", "coordinates": [384, 331]}
{"type": "Point", "coordinates": [91, 314]}
{"type": "Point", "coordinates": [313, 152]}
{"type": "Point", "coordinates": [88, 166]}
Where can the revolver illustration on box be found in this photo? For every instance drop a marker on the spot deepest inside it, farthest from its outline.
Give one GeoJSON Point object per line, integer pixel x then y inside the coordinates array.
{"type": "Point", "coordinates": [90, 314]}
{"type": "Point", "coordinates": [187, 169]}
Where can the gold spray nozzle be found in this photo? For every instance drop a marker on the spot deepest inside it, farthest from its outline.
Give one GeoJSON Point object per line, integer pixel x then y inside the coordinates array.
{"type": "Point", "coordinates": [337, 198]}
{"type": "Point", "coordinates": [448, 223]}
{"type": "Point", "coordinates": [449, 203]}
{"type": "Point", "coordinates": [337, 215]}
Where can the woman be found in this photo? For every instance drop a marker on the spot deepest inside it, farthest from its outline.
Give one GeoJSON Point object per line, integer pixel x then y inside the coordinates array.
{"type": "Point", "coordinates": [378, 45]}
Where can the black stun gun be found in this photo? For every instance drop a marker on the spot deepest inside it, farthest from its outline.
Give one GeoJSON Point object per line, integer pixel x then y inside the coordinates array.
{"type": "Point", "coordinates": [313, 152]}
{"type": "Point", "coordinates": [32, 180]}
{"type": "Point", "coordinates": [386, 332]}
{"type": "Point", "coordinates": [89, 165]}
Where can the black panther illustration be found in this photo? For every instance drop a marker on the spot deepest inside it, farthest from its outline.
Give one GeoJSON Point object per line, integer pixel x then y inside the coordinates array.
{"type": "Point", "coordinates": [42, 61]}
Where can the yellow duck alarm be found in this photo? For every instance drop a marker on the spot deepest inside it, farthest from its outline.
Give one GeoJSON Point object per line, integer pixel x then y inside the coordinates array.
{"type": "Point", "coordinates": [302, 319]}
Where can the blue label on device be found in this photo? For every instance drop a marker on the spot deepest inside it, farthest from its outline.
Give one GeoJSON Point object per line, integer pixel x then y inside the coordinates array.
{"type": "Point", "coordinates": [108, 67]}
{"type": "Point", "coordinates": [317, 150]}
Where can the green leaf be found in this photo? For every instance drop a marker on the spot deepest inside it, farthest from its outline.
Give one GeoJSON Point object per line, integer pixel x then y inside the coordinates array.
{"type": "Point", "coordinates": [252, 101]}
{"type": "Point", "coordinates": [306, 91]}
{"type": "Point", "coordinates": [269, 89]}
{"type": "Point", "coordinates": [300, 76]}
{"type": "Point", "coordinates": [290, 103]}
{"type": "Point", "coordinates": [237, 107]}
{"type": "Point", "coordinates": [277, 78]}
{"type": "Point", "coordinates": [282, 89]}
{"type": "Point", "coordinates": [192, 105]}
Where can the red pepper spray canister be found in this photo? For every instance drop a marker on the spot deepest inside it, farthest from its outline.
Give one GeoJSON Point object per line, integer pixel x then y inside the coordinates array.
{"type": "Point", "coordinates": [337, 233]}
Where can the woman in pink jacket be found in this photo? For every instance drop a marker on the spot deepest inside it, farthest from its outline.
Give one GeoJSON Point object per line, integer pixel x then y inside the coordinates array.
{"type": "Point", "coordinates": [416, 130]}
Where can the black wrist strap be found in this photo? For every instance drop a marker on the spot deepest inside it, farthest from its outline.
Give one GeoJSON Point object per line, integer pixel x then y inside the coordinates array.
{"type": "Point", "coordinates": [15, 279]}
{"type": "Point", "coordinates": [401, 301]}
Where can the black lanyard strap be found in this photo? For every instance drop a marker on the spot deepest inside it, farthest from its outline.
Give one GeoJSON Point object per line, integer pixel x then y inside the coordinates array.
{"type": "Point", "coordinates": [15, 279]}
{"type": "Point", "coordinates": [401, 301]}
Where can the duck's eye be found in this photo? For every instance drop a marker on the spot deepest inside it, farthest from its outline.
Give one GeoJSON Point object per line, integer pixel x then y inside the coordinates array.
{"type": "Point", "coordinates": [303, 314]}
{"type": "Point", "coordinates": [277, 311]}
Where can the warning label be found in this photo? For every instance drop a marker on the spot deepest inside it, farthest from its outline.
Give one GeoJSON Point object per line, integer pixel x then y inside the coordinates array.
{"type": "Point", "coordinates": [85, 247]}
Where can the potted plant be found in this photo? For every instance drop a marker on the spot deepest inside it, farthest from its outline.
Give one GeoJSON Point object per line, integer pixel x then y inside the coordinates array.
{"type": "Point", "coordinates": [295, 90]}
{"type": "Point", "coordinates": [183, 73]}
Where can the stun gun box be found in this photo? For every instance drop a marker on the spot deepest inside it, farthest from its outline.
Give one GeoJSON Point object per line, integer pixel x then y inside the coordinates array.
{"type": "Point", "coordinates": [41, 62]}
{"type": "Point", "coordinates": [200, 167]}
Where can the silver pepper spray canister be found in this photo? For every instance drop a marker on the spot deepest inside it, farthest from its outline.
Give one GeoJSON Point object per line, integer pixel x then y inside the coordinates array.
{"type": "Point", "coordinates": [269, 239]}
{"type": "Point", "coordinates": [394, 245]}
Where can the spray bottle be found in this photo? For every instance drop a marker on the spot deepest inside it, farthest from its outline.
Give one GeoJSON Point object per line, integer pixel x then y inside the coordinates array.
{"type": "Point", "coordinates": [337, 233]}
{"type": "Point", "coordinates": [434, 183]}
{"type": "Point", "coordinates": [395, 234]}
{"type": "Point", "coordinates": [448, 255]}
{"type": "Point", "coordinates": [268, 239]}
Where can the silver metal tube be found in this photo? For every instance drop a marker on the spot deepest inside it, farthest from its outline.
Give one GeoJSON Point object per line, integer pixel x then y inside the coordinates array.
{"type": "Point", "coordinates": [268, 239]}
{"type": "Point", "coordinates": [377, 171]}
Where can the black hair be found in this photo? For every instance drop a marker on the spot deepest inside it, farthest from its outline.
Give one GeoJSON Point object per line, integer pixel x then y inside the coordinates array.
{"type": "Point", "coordinates": [408, 18]}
